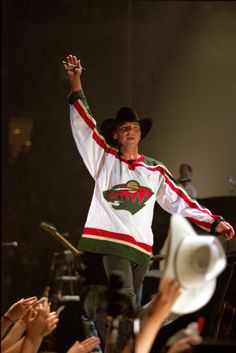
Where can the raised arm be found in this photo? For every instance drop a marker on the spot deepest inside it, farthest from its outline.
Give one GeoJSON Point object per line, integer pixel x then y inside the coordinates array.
{"type": "Point", "coordinates": [90, 144]}
{"type": "Point", "coordinates": [15, 313]}
{"type": "Point", "coordinates": [169, 291]}
{"type": "Point", "coordinates": [40, 323]}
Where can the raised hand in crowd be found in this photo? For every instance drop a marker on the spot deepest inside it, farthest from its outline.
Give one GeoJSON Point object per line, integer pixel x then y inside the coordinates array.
{"type": "Point", "coordinates": [19, 327]}
{"type": "Point", "coordinates": [35, 324]}
{"type": "Point", "coordinates": [15, 312]}
{"type": "Point", "coordinates": [14, 337]}
{"type": "Point", "coordinates": [160, 309]}
{"type": "Point", "coordinates": [85, 346]}
{"type": "Point", "coordinates": [40, 321]}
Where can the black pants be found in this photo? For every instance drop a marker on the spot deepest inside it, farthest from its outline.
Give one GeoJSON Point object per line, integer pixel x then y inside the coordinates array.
{"type": "Point", "coordinates": [133, 274]}
{"type": "Point", "coordinates": [132, 277]}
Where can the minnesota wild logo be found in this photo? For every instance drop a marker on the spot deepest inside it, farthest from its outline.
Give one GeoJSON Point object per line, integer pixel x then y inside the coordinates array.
{"type": "Point", "coordinates": [130, 196]}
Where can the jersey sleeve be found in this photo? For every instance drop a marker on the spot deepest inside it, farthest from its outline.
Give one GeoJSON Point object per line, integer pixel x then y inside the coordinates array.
{"type": "Point", "coordinates": [90, 144]}
{"type": "Point", "coordinates": [175, 200]}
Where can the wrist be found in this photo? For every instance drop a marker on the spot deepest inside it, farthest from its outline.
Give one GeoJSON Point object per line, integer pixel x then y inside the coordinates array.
{"type": "Point", "coordinates": [215, 224]}
{"type": "Point", "coordinates": [74, 96]}
{"type": "Point", "coordinates": [75, 85]}
{"type": "Point", "coordinates": [7, 318]}
{"type": "Point", "coordinates": [34, 338]}
{"type": "Point", "coordinates": [21, 322]}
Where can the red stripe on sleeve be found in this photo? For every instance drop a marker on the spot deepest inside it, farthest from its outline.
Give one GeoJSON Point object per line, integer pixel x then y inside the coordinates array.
{"type": "Point", "coordinates": [92, 125]}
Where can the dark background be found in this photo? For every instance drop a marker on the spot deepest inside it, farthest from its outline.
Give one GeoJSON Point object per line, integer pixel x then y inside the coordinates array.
{"type": "Point", "coordinates": [171, 60]}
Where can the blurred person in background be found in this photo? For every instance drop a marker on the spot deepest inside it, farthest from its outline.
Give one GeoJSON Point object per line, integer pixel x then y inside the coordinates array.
{"type": "Point", "coordinates": [185, 178]}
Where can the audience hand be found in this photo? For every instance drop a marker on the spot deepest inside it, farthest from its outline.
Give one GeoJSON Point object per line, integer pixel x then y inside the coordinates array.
{"type": "Point", "coordinates": [18, 309]}
{"type": "Point", "coordinates": [15, 313]}
{"type": "Point", "coordinates": [85, 346]}
{"type": "Point", "coordinates": [169, 291]}
{"type": "Point", "coordinates": [40, 322]}
{"type": "Point", "coordinates": [185, 344]}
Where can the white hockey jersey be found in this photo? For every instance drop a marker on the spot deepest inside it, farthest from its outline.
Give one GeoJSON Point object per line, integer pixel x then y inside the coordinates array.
{"type": "Point", "coordinates": [120, 216]}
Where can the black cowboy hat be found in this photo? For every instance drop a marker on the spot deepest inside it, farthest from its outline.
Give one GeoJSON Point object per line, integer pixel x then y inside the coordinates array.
{"type": "Point", "coordinates": [125, 114]}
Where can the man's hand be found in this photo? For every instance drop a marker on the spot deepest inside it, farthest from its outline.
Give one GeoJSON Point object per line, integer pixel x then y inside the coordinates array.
{"type": "Point", "coordinates": [73, 70]}
{"type": "Point", "coordinates": [226, 229]}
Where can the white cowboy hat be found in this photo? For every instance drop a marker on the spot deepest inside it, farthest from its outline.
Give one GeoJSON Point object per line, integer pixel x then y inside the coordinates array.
{"type": "Point", "coordinates": [195, 261]}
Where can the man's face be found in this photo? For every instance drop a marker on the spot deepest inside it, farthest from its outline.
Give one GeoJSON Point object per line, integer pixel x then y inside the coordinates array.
{"type": "Point", "coordinates": [185, 172]}
{"type": "Point", "coordinates": [128, 133]}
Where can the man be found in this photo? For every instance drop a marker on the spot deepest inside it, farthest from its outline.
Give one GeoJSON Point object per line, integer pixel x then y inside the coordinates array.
{"type": "Point", "coordinates": [185, 178]}
{"type": "Point", "coordinates": [127, 185]}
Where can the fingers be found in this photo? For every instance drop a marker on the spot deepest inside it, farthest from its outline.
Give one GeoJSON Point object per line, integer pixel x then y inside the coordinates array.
{"type": "Point", "coordinates": [40, 321]}
{"type": "Point", "coordinates": [170, 287]}
{"type": "Point", "coordinates": [184, 344]}
{"type": "Point", "coordinates": [180, 348]}
{"type": "Point", "coordinates": [30, 300]}
{"type": "Point", "coordinates": [31, 314]}
{"type": "Point", "coordinates": [18, 309]}
{"type": "Point", "coordinates": [85, 346]}
{"type": "Point", "coordinates": [90, 343]}
{"type": "Point", "coordinates": [72, 64]}
{"type": "Point", "coordinates": [60, 309]}
{"type": "Point", "coordinates": [72, 59]}
{"type": "Point", "coordinates": [226, 229]}
{"type": "Point", "coordinates": [42, 303]}
{"type": "Point", "coordinates": [39, 310]}
{"type": "Point", "coordinates": [52, 321]}
{"type": "Point", "coordinates": [23, 303]}
{"type": "Point", "coordinates": [169, 291]}
{"type": "Point", "coordinates": [26, 301]}
{"type": "Point", "coordinates": [229, 232]}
